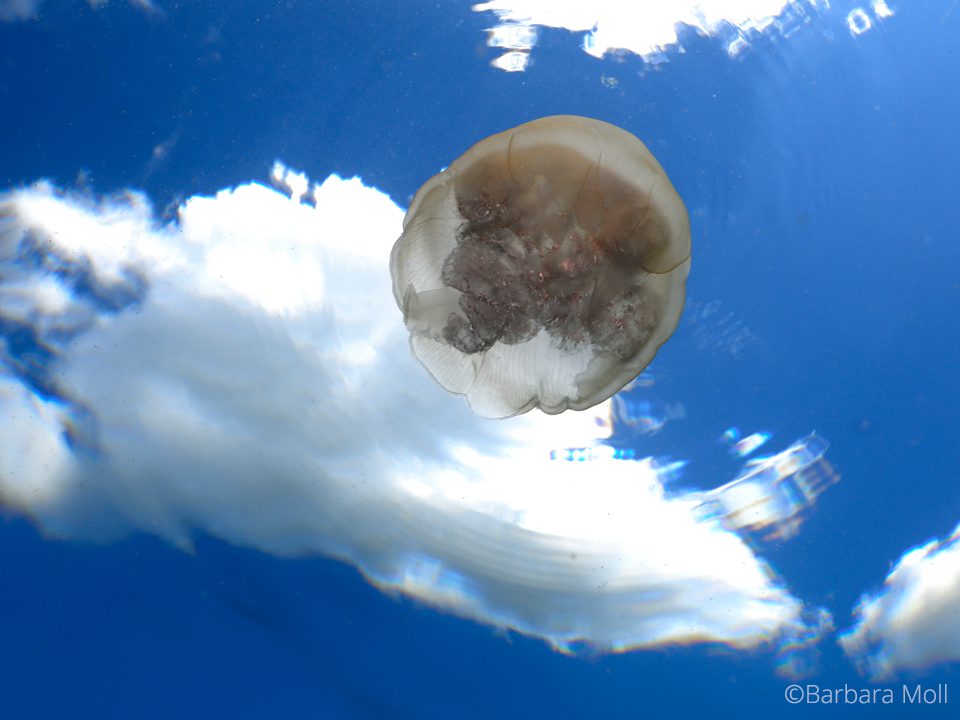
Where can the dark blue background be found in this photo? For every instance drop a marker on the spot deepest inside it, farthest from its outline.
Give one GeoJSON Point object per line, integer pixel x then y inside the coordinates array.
{"type": "Point", "coordinates": [820, 172]}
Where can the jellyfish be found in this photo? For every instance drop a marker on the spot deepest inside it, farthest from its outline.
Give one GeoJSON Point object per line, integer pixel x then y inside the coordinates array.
{"type": "Point", "coordinates": [544, 267]}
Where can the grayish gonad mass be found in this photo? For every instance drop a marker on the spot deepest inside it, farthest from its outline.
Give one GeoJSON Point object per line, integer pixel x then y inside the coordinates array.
{"type": "Point", "coordinates": [544, 268]}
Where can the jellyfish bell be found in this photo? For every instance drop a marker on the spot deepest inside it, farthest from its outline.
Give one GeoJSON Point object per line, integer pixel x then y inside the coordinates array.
{"type": "Point", "coordinates": [544, 267]}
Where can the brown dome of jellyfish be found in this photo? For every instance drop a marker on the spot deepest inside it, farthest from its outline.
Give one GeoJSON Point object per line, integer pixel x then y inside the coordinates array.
{"type": "Point", "coordinates": [544, 267]}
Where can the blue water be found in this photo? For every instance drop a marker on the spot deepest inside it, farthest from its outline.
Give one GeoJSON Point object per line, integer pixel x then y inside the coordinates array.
{"type": "Point", "coordinates": [820, 173]}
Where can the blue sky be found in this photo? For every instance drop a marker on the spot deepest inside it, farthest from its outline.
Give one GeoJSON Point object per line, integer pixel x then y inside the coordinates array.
{"type": "Point", "coordinates": [212, 421]}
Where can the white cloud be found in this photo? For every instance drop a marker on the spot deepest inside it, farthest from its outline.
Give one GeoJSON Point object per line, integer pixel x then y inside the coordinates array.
{"type": "Point", "coordinates": [646, 29]}
{"type": "Point", "coordinates": [912, 623]}
{"type": "Point", "coordinates": [244, 372]}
